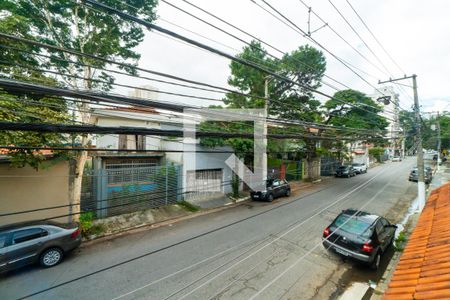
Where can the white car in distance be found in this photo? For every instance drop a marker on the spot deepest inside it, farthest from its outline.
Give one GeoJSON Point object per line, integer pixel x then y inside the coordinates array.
{"type": "Point", "coordinates": [359, 168]}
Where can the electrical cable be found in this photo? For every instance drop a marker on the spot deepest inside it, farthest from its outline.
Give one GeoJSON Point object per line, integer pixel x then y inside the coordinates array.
{"type": "Point", "coordinates": [213, 50]}
{"type": "Point", "coordinates": [374, 37]}
{"type": "Point", "coordinates": [304, 34]}
{"type": "Point", "coordinates": [241, 40]}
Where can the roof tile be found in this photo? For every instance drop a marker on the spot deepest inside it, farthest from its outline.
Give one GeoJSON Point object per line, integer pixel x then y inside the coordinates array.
{"type": "Point", "coordinates": [424, 268]}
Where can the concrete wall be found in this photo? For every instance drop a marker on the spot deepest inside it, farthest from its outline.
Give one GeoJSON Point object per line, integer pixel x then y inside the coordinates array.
{"type": "Point", "coordinates": [200, 161]}
{"type": "Point", "coordinates": [112, 141]}
{"type": "Point", "coordinates": [26, 189]}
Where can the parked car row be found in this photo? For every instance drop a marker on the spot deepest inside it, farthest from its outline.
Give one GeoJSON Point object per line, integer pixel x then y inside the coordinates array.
{"type": "Point", "coordinates": [350, 170]}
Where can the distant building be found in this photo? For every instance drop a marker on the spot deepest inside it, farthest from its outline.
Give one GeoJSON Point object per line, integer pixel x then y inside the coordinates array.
{"type": "Point", "coordinates": [391, 112]}
{"type": "Point", "coordinates": [147, 92]}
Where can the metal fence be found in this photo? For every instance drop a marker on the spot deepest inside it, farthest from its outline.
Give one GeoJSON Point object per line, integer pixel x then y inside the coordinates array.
{"type": "Point", "coordinates": [122, 188]}
{"type": "Point", "coordinates": [328, 165]}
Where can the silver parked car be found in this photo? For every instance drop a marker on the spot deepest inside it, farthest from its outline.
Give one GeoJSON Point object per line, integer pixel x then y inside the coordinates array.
{"type": "Point", "coordinates": [27, 243]}
{"type": "Point", "coordinates": [359, 168]}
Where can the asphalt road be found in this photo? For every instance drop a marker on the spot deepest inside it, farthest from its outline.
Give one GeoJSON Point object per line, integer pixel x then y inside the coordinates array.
{"type": "Point", "coordinates": [254, 251]}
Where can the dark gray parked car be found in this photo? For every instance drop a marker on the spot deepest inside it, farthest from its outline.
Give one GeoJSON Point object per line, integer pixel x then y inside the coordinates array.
{"type": "Point", "coordinates": [27, 243]}
{"type": "Point", "coordinates": [275, 188]}
{"type": "Point", "coordinates": [359, 235]}
{"type": "Point", "coordinates": [345, 171]}
{"type": "Point", "coordinates": [428, 175]}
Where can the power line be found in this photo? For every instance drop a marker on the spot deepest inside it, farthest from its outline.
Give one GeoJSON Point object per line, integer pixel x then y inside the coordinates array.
{"type": "Point", "coordinates": [213, 50]}
{"type": "Point", "coordinates": [304, 34]}
{"type": "Point", "coordinates": [246, 33]}
{"type": "Point", "coordinates": [341, 37]}
{"type": "Point", "coordinates": [375, 38]}
{"type": "Point", "coordinates": [89, 129]}
{"type": "Point", "coordinates": [112, 83]}
{"type": "Point", "coordinates": [117, 99]}
{"type": "Point", "coordinates": [74, 52]}
{"type": "Point", "coordinates": [361, 39]}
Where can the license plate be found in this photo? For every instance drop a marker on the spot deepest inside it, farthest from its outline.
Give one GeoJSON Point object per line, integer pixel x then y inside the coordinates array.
{"type": "Point", "coordinates": [255, 196]}
{"type": "Point", "coordinates": [345, 253]}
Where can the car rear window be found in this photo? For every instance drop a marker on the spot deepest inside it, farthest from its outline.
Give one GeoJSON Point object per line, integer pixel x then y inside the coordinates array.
{"type": "Point", "coordinates": [352, 224]}
{"type": "Point", "coordinates": [24, 235]}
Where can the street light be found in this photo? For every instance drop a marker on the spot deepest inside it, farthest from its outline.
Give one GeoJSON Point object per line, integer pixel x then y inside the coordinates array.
{"type": "Point", "coordinates": [385, 99]}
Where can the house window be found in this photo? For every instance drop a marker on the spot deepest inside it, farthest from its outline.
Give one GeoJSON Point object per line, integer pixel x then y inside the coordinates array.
{"type": "Point", "coordinates": [131, 142]}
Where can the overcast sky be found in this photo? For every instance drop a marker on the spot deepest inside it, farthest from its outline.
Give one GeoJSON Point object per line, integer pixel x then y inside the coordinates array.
{"type": "Point", "coordinates": [415, 33]}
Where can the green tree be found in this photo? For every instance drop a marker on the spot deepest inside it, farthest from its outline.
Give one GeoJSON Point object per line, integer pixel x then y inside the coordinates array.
{"type": "Point", "coordinates": [304, 66]}
{"type": "Point", "coordinates": [430, 133]}
{"type": "Point", "coordinates": [16, 106]}
{"type": "Point", "coordinates": [353, 109]}
{"type": "Point", "coordinates": [70, 24]}
{"type": "Point", "coordinates": [408, 124]}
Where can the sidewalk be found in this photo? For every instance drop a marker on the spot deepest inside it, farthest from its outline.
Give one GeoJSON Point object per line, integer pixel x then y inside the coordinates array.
{"type": "Point", "coordinates": [223, 200]}
{"type": "Point", "coordinates": [165, 216]}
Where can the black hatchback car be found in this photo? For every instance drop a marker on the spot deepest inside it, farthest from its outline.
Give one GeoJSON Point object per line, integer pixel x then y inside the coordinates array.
{"type": "Point", "coordinates": [26, 243]}
{"type": "Point", "coordinates": [275, 188]}
{"type": "Point", "coordinates": [359, 235]}
{"type": "Point", "coordinates": [345, 171]}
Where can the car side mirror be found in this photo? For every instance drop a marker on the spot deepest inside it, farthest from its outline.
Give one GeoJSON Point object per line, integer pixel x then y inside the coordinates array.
{"type": "Point", "coordinates": [391, 225]}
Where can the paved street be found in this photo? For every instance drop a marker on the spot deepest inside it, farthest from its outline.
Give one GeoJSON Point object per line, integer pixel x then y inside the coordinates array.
{"type": "Point", "coordinates": [253, 251]}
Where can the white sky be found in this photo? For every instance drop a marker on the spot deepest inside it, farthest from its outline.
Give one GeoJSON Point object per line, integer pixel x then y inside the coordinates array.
{"type": "Point", "coordinates": [414, 32]}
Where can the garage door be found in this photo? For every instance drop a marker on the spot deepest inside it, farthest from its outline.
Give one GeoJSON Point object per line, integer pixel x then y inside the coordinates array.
{"type": "Point", "coordinates": [204, 180]}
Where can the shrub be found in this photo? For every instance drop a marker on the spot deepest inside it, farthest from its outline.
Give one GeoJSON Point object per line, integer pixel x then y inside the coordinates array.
{"type": "Point", "coordinates": [400, 241]}
{"type": "Point", "coordinates": [87, 225]}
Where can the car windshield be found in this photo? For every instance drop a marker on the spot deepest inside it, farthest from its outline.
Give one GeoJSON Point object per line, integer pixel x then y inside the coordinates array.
{"type": "Point", "coordinates": [352, 225]}
{"type": "Point", "coordinates": [343, 168]}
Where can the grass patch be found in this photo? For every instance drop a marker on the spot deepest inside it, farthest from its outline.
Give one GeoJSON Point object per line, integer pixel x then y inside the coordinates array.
{"type": "Point", "coordinates": [189, 206]}
{"type": "Point", "coordinates": [88, 228]}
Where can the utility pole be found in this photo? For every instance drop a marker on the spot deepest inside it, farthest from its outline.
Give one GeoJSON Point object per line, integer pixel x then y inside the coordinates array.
{"type": "Point", "coordinates": [420, 164]}
{"type": "Point", "coordinates": [439, 141]}
{"type": "Point", "coordinates": [266, 114]}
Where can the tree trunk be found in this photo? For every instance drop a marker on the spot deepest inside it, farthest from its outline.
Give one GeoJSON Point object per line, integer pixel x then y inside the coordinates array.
{"type": "Point", "coordinates": [75, 183]}
{"type": "Point", "coordinates": [78, 162]}
{"type": "Point", "coordinates": [312, 161]}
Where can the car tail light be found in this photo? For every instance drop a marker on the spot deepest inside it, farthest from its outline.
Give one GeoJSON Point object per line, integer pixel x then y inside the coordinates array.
{"type": "Point", "coordinates": [326, 232]}
{"type": "Point", "coordinates": [75, 233]}
{"type": "Point", "coordinates": [367, 247]}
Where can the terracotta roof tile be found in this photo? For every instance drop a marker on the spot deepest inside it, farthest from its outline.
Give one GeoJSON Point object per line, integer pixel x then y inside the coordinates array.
{"type": "Point", "coordinates": [399, 297]}
{"type": "Point", "coordinates": [424, 268]}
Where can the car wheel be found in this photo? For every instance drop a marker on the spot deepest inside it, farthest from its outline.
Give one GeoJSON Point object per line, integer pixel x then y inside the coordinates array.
{"type": "Point", "coordinates": [51, 257]}
{"type": "Point", "coordinates": [288, 192]}
{"type": "Point", "coordinates": [270, 198]}
{"type": "Point", "coordinates": [376, 262]}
